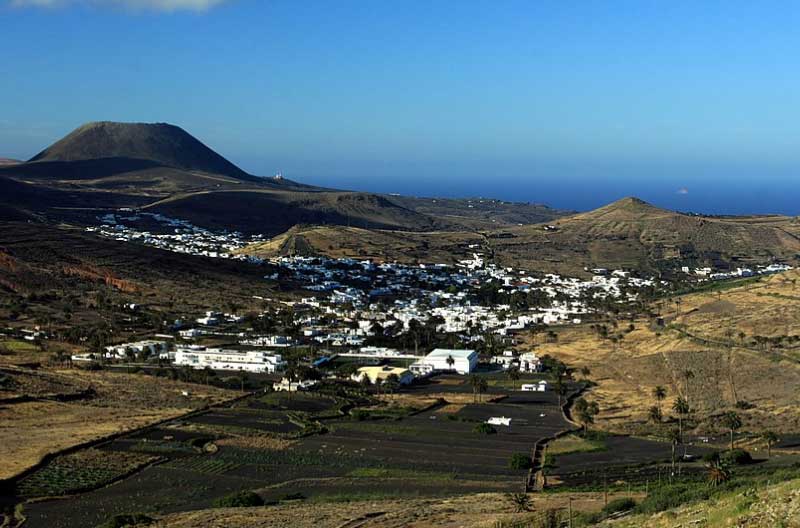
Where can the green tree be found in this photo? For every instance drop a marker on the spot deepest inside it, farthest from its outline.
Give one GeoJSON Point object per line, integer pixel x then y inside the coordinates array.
{"type": "Point", "coordinates": [681, 408]}
{"type": "Point", "coordinates": [585, 411]}
{"type": "Point", "coordinates": [731, 421]}
{"type": "Point", "coordinates": [771, 439]}
{"type": "Point", "coordinates": [654, 414]}
{"type": "Point", "coordinates": [659, 393]}
{"type": "Point", "coordinates": [513, 375]}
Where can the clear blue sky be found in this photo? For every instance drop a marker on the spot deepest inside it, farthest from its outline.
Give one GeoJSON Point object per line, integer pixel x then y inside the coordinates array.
{"type": "Point", "coordinates": [568, 103]}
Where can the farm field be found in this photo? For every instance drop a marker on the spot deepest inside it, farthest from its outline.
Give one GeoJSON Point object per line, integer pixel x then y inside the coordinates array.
{"type": "Point", "coordinates": [306, 447]}
{"type": "Point", "coordinates": [104, 404]}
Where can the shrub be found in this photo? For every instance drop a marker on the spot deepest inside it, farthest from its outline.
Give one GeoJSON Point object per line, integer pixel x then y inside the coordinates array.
{"type": "Point", "coordinates": [292, 497]}
{"type": "Point", "coordinates": [484, 428]}
{"type": "Point", "coordinates": [737, 457]}
{"type": "Point", "coordinates": [359, 414]}
{"type": "Point", "coordinates": [243, 499]}
{"type": "Point", "coordinates": [520, 461]}
{"type": "Point", "coordinates": [712, 457]}
{"type": "Point", "coordinates": [667, 497]}
{"type": "Point", "coordinates": [128, 519]}
{"type": "Point", "coordinates": [619, 505]}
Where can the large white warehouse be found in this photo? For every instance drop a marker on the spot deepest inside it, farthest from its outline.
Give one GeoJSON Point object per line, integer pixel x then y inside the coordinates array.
{"type": "Point", "coordinates": [446, 359]}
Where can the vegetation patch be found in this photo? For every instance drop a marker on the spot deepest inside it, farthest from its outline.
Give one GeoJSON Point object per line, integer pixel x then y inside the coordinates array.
{"type": "Point", "coordinates": [81, 471]}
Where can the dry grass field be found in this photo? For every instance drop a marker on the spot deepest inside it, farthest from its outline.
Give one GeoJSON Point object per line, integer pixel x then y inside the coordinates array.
{"type": "Point", "coordinates": [32, 429]}
{"type": "Point", "coordinates": [483, 510]}
{"type": "Point", "coordinates": [719, 336]}
{"type": "Point", "coordinates": [380, 245]}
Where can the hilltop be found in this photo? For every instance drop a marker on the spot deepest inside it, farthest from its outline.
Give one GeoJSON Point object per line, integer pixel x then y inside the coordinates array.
{"type": "Point", "coordinates": [161, 143]}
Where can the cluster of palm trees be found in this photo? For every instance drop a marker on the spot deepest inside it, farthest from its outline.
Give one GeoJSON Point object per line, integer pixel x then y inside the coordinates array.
{"type": "Point", "coordinates": [479, 386]}
{"type": "Point", "coordinates": [730, 420]}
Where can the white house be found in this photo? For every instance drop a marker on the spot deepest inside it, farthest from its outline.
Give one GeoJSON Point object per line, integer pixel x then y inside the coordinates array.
{"type": "Point", "coordinates": [445, 359]}
{"type": "Point", "coordinates": [221, 359]}
{"type": "Point", "coordinates": [534, 387]}
{"type": "Point", "coordinates": [530, 362]}
{"type": "Point", "coordinates": [293, 386]}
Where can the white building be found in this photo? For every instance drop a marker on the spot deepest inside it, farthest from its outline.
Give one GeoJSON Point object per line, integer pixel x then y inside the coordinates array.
{"type": "Point", "coordinates": [445, 359]}
{"type": "Point", "coordinates": [221, 359]}
{"type": "Point", "coordinates": [535, 387]}
{"type": "Point", "coordinates": [150, 348]}
{"type": "Point", "coordinates": [530, 362]}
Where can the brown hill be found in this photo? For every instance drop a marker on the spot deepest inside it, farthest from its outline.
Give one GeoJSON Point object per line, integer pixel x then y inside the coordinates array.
{"type": "Point", "coordinates": [628, 233]}
{"type": "Point", "coordinates": [631, 233]}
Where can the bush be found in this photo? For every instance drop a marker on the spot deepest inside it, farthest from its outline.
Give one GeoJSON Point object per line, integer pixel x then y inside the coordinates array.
{"type": "Point", "coordinates": [359, 414]}
{"type": "Point", "coordinates": [127, 519]}
{"type": "Point", "coordinates": [737, 457]}
{"type": "Point", "coordinates": [243, 499]}
{"type": "Point", "coordinates": [520, 461]}
{"type": "Point", "coordinates": [484, 428]}
{"type": "Point", "coordinates": [619, 505]}
{"type": "Point", "coordinates": [292, 497]}
{"type": "Point", "coordinates": [712, 457]}
{"type": "Point", "coordinates": [667, 497]}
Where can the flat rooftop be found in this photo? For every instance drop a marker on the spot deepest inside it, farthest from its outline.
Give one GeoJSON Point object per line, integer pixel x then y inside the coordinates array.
{"type": "Point", "coordinates": [445, 352]}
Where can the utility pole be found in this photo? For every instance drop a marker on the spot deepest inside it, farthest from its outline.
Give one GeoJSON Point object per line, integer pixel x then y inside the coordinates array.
{"type": "Point", "coordinates": [570, 512]}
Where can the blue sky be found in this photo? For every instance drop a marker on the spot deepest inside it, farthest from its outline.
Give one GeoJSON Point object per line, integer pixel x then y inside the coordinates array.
{"type": "Point", "coordinates": [569, 103]}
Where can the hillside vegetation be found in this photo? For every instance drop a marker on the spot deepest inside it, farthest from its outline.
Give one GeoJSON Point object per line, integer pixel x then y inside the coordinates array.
{"type": "Point", "coordinates": [740, 344]}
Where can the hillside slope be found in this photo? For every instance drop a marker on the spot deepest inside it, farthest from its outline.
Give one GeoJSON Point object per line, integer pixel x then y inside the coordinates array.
{"type": "Point", "coordinates": [727, 338]}
{"type": "Point", "coordinates": [625, 234]}
{"type": "Point", "coordinates": [630, 233]}
{"type": "Point", "coordinates": [377, 244]}
{"type": "Point", "coordinates": [272, 212]}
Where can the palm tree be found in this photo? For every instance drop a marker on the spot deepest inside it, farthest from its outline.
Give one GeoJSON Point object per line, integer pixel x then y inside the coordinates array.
{"type": "Point", "coordinates": [513, 375]}
{"type": "Point", "coordinates": [654, 414]}
{"type": "Point", "coordinates": [392, 383]}
{"type": "Point", "coordinates": [732, 422]}
{"type": "Point", "coordinates": [474, 381]}
{"type": "Point", "coordinates": [450, 362]}
{"type": "Point", "coordinates": [521, 502]}
{"type": "Point", "coordinates": [674, 437]}
{"type": "Point", "coordinates": [770, 438]}
{"type": "Point", "coordinates": [688, 375]}
{"type": "Point", "coordinates": [717, 473]}
{"type": "Point", "coordinates": [681, 408]}
{"type": "Point", "coordinates": [659, 393]}
{"type": "Point", "coordinates": [483, 386]}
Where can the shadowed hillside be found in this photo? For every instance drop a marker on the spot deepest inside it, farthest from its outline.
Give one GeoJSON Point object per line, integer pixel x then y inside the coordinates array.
{"type": "Point", "coordinates": [273, 212]}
